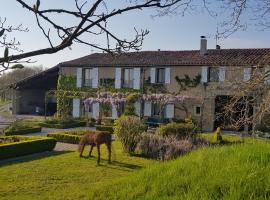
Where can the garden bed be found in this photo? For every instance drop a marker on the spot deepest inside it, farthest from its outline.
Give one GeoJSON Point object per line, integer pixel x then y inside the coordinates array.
{"type": "Point", "coordinates": [21, 127]}
{"type": "Point", "coordinates": [72, 136]}
{"type": "Point", "coordinates": [13, 146]}
{"type": "Point", "coordinates": [62, 124]}
{"type": "Point", "coordinates": [22, 131]}
{"type": "Point", "coordinates": [108, 128]}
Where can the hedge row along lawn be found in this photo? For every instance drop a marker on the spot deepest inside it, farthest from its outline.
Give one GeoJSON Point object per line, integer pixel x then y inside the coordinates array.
{"type": "Point", "coordinates": [62, 123]}
{"type": "Point", "coordinates": [239, 171]}
{"type": "Point", "coordinates": [21, 127]}
{"type": "Point", "coordinates": [14, 146]}
{"type": "Point", "coordinates": [71, 136]}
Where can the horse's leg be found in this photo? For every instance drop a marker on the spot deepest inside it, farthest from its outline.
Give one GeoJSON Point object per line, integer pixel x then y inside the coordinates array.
{"type": "Point", "coordinates": [82, 150]}
{"type": "Point", "coordinates": [91, 149]}
{"type": "Point", "coordinates": [98, 150]}
{"type": "Point", "coordinates": [109, 151]}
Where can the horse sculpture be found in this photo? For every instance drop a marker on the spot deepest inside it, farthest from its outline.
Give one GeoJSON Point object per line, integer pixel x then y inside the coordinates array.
{"type": "Point", "coordinates": [96, 140]}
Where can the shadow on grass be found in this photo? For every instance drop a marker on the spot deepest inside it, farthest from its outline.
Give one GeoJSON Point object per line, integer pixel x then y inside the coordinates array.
{"type": "Point", "coordinates": [31, 157]}
{"type": "Point", "coordinates": [113, 164]}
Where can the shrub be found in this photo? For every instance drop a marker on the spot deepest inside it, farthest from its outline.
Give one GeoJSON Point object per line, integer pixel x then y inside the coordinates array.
{"type": "Point", "coordinates": [21, 127]}
{"type": "Point", "coordinates": [72, 136]}
{"type": "Point", "coordinates": [104, 128]}
{"type": "Point", "coordinates": [22, 131]}
{"type": "Point", "coordinates": [180, 130]}
{"type": "Point", "coordinates": [63, 123]}
{"type": "Point", "coordinates": [217, 138]}
{"type": "Point", "coordinates": [130, 108]}
{"type": "Point", "coordinates": [129, 129]}
{"type": "Point", "coordinates": [165, 148]}
{"type": "Point", "coordinates": [23, 145]}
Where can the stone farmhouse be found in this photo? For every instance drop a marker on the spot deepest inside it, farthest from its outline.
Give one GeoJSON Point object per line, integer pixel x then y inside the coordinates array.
{"type": "Point", "coordinates": [217, 68]}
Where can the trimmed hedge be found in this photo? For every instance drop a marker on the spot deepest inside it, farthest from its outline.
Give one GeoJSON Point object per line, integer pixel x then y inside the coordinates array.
{"type": "Point", "coordinates": [180, 130]}
{"type": "Point", "coordinates": [72, 136]}
{"type": "Point", "coordinates": [108, 128]}
{"type": "Point", "coordinates": [63, 125]}
{"type": "Point", "coordinates": [26, 145]}
{"type": "Point", "coordinates": [22, 131]}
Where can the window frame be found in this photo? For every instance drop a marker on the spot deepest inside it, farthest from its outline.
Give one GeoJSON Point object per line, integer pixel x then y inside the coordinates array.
{"type": "Point", "coordinates": [84, 79]}
{"type": "Point", "coordinates": [213, 79]}
{"type": "Point", "coordinates": [195, 110]}
{"type": "Point", "coordinates": [163, 80]}
{"type": "Point", "coordinates": [130, 81]}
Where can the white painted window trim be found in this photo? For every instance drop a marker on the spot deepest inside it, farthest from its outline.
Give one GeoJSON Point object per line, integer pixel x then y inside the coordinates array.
{"type": "Point", "coordinates": [204, 74]}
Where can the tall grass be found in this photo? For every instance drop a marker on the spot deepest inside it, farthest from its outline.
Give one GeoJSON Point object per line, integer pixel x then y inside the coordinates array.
{"type": "Point", "coordinates": [229, 172]}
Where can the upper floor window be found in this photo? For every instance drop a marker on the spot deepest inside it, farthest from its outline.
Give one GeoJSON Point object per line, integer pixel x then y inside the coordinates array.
{"type": "Point", "coordinates": [160, 75]}
{"type": "Point", "coordinates": [127, 81]}
{"type": "Point", "coordinates": [87, 77]}
{"type": "Point", "coordinates": [213, 74]}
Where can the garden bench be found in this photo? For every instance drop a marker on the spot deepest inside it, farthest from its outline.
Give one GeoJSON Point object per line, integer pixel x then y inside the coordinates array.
{"type": "Point", "coordinates": [154, 121]}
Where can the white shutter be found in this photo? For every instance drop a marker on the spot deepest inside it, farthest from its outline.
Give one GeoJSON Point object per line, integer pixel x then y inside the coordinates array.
{"type": "Point", "coordinates": [147, 109]}
{"type": "Point", "coordinates": [118, 78]}
{"type": "Point", "coordinates": [169, 111]}
{"type": "Point", "coordinates": [79, 78]}
{"type": "Point", "coordinates": [136, 78]}
{"type": "Point", "coordinates": [153, 75]}
{"type": "Point", "coordinates": [168, 75]}
{"type": "Point", "coordinates": [114, 112]}
{"type": "Point", "coordinates": [76, 108]}
{"type": "Point", "coordinates": [247, 74]}
{"type": "Point", "coordinates": [95, 77]}
{"type": "Point", "coordinates": [95, 110]}
{"type": "Point", "coordinates": [137, 106]}
{"type": "Point", "coordinates": [204, 75]}
{"type": "Point", "coordinates": [221, 74]}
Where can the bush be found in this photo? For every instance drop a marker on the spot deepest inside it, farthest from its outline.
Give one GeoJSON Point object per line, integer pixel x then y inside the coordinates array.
{"type": "Point", "coordinates": [104, 128]}
{"type": "Point", "coordinates": [72, 136]}
{"type": "Point", "coordinates": [21, 127]}
{"type": "Point", "coordinates": [180, 130]}
{"type": "Point", "coordinates": [129, 129]}
{"type": "Point", "coordinates": [63, 123]}
{"type": "Point", "coordinates": [217, 138]}
{"type": "Point", "coordinates": [165, 148]}
{"type": "Point", "coordinates": [22, 131]}
{"type": "Point", "coordinates": [23, 145]}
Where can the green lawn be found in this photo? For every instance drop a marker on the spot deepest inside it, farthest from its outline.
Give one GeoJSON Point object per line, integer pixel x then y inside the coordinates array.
{"type": "Point", "coordinates": [65, 175]}
{"type": "Point", "coordinates": [239, 171]}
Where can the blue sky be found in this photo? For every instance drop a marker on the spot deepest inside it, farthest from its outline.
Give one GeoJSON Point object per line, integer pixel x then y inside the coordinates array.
{"type": "Point", "coordinates": [166, 33]}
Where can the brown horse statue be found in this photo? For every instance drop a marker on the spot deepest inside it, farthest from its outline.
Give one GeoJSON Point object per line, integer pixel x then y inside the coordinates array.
{"type": "Point", "coordinates": [96, 139]}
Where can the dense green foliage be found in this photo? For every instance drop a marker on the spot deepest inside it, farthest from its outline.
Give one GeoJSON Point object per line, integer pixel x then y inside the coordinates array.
{"type": "Point", "coordinates": [23, 145]}
{"type": "Point", "coordinates": [105, 128]}
{"type": "Point", "coordinates": [180, 130]}
{"type": "Point", "coordinates": [129, 130]}
{"type": "Point", "coordinates": [129, 106]}
{"type": "Point", "coordinates": [63, 123]}
{"type": "Point", "coordinates": [21, 127]}
{"type": "Point", "coordinates": [63, 175]}
{"type": "Point", "coordinates": [71, 136]}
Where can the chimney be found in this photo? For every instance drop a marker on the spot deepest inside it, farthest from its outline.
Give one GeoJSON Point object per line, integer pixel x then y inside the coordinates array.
{"type": "Point", "coordinates": [158, 49]}
{"type": "Point", "coordinates": [218, 46]}
{"type": "Point", "coordinates": [203, 49]}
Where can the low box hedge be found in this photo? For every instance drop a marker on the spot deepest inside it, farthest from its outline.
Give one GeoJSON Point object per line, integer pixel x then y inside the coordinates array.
{"type": "Point", "coordinates": [24, 145]}
{"type": "Point", "coordinates": [72, 136]}
{"type": "Point", "coordinates": [22, 131]}
{"type": "Point", "coordinates": [108, 128]}
{"type": "Point", "coordinates": [63, 125]}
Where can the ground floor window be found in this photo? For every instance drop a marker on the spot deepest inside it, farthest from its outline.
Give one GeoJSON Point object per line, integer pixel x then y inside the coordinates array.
{"type": "Point", "coordinates": [197, 110]}
{"type": "Point", "coordinates": [157, 110]}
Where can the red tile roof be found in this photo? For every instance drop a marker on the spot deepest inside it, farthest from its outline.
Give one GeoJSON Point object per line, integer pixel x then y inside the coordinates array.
{"type": "Point", "coordinates": [214, 57]}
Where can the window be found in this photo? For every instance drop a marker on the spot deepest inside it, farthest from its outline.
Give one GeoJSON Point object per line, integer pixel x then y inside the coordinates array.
{"type": "Point", "coordinates": [160, 75]}
{"type": "Point", "coordinates": [197, 110]}
{"type": "Point", "coordinates": [156, 110]}
{"type": "Point", "coordinates": [127, 81]}
{"type": "Point", "coordinates": [87, 77]}
{"type": "Point", "coordinates": [213, 74]}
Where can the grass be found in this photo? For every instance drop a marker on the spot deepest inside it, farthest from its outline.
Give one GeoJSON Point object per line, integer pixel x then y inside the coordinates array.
{"type": "Point", "coordinates": [64, 175]}
{"type": "Point", "coordinates": [238, 171]}
{"type": "Point", "coordinates": [229, 172]}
